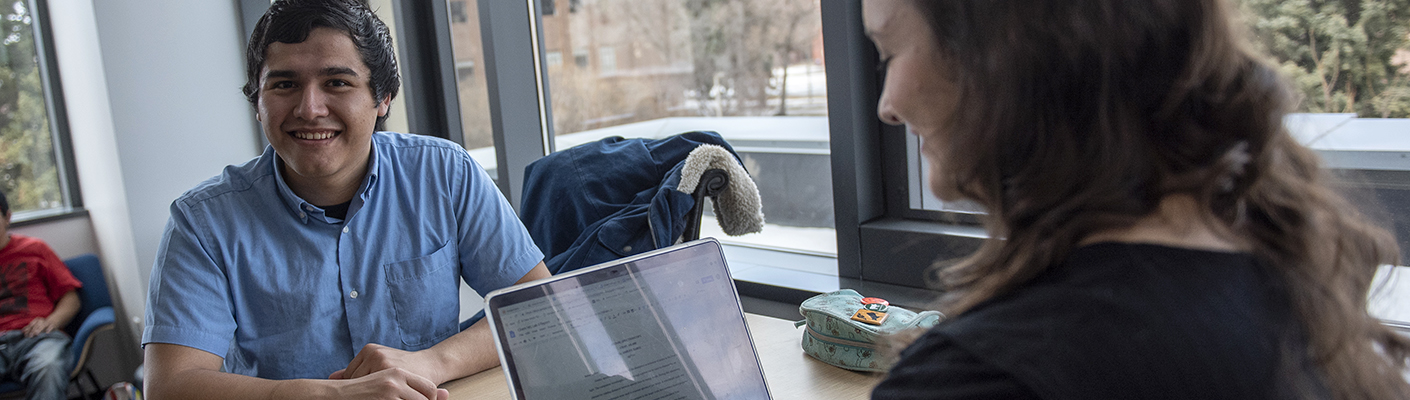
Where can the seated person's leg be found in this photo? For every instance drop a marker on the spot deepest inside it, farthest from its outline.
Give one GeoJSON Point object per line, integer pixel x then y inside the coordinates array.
{"type": "Point", "coordinates": [46, 375]}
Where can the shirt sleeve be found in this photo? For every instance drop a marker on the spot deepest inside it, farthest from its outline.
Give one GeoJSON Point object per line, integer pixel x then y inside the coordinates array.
{"type": "Point", "coordinates": [934, 368]}
{"type": "Point", "coordinates": [187, 300]}
{"type": "Point", "coordinates": [495, 248]}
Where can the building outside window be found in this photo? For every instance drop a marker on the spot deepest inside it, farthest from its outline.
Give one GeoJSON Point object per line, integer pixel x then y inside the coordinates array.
{"type": "Point", "coordinates": [471, 90]}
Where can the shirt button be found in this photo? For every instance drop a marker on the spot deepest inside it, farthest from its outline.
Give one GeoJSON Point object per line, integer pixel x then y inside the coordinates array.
{"type": "Point", "coordinates": [353, 294]}
{"type": "Point", "coordinates": [345, 229]}
{"type": "Point", "coordinates": [310, 208]}
{"type": "Point", "coordinates": [302, 215]}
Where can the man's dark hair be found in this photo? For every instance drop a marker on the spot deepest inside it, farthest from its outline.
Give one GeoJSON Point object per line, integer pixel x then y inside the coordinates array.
{"type": "Point", "coordinates": [290, 21]}
{"type": "Point", "coordinates": [4, 204]}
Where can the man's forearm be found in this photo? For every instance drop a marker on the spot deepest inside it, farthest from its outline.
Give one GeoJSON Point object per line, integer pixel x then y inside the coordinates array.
{"type": "Point", "coordinates": [216, 385]}
{"type": "Point", "coordinates": [472, 350]}
{"type": "Point", "coordinates": [180, 372]}
{"type": "Point", "coordinates": [464, 354]}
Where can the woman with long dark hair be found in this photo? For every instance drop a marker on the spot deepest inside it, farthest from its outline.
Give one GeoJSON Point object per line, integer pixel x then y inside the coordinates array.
{"type": "Point", "coordinates": [1155, 231]}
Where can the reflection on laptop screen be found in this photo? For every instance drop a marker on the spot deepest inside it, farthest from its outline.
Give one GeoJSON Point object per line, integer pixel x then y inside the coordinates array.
{"type": "Point", "coordinates": [667, 326]}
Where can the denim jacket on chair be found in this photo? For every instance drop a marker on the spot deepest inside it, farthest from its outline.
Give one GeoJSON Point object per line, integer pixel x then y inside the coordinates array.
{"type": "Point", "coordinates": [608, 199]}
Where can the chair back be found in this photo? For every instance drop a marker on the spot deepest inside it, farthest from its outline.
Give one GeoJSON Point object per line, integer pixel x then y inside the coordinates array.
{"type": "Point", "coordinates": [94, 293]}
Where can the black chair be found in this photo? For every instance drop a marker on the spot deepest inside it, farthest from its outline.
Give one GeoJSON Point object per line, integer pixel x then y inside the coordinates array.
{"type": "Point", "coordinates": [95, 314]}
{"type": "Point", "coordinates": [712, 183]}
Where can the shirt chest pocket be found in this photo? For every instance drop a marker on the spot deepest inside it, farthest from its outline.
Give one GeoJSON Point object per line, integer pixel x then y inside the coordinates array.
{"type": "Point", "coordinates": [425, 297]}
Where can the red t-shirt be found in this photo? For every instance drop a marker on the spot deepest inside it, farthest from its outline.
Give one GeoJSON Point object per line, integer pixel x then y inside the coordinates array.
{"type": "Point", "coordinates": [32, 279]}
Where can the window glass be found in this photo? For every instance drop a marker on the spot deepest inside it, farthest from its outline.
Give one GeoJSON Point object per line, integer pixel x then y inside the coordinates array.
{"type": "Point", "coordinates": [750, 70]}
{"type": "Point", "coordinates": [396, 114]}
{"type": "Point", "coordinates": [471, 86]}
{"type": "Point", "coordinates": [30, 174]}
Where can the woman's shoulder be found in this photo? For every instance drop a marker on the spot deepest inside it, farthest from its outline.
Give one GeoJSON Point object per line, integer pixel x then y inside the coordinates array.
{"type": "Point", "coordinates": [1121, 313]}
{"type": "Point", "coordinates": [932, 367]}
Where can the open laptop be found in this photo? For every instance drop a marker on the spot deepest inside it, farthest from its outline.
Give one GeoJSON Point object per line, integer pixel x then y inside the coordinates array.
{"type": "Point", "coordinates": [666, 324]}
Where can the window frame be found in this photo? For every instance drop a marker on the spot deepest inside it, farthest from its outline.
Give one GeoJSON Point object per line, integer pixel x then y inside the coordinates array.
{"type": "Point", "coordinates": [869, 187]}
{"type": "Point", "coordinates": [54, 105]}
{"type": "Point", "coordinates": [870, 172]}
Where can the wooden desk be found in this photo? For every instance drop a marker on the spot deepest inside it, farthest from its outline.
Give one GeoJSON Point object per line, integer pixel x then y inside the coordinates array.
{"type": "Point", "coordinates": [789, 373]}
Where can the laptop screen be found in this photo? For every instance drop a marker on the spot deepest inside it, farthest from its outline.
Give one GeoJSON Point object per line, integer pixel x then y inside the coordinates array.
{"type": "Point", "coordinates": [663, 325]}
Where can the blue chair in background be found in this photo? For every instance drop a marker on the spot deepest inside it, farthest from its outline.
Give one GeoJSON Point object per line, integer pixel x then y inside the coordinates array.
{"type": "Point", "coordinates": [95, 314]}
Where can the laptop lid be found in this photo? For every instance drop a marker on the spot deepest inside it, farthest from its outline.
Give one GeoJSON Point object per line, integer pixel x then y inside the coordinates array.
{"type": "Point", "coordinates": [666, 324]}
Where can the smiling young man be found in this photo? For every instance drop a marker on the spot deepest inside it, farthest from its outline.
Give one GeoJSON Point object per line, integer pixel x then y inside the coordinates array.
{"type": "Point", "coordinates": [329, 266]}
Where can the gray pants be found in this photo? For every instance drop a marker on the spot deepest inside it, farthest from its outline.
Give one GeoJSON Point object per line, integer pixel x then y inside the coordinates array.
{"type": "Point", "coordinates": [40, 363]}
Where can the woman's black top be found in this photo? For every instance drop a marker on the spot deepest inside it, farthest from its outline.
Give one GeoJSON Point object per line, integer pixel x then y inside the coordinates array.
{"type": "Point", "coordinates": [1119, 321]}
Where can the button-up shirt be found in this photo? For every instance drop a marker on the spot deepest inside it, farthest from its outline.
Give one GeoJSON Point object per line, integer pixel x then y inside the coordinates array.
{"type": "Point", "coordinates": [250, 272]}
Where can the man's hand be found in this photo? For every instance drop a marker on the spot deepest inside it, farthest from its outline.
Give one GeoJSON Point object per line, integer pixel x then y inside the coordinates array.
{"type": "Point", "coordinates": [180, 372]}
{"type": "Point", "coordinates": [38, 326]}
{"type": "Point", "coordinates": [464, 353]}
{"type": "Point", "coordinates": [392, 383]}
{"type": "Point", "coordinates": [375, 357]}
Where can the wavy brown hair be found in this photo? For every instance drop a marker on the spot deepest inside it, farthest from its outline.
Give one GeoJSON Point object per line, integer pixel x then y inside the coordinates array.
{"type": "Point", "coordinates": [1081, 116]}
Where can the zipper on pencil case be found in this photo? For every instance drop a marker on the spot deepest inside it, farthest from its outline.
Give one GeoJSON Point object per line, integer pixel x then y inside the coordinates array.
{"type": "Point", "coordinates": [819, 336]}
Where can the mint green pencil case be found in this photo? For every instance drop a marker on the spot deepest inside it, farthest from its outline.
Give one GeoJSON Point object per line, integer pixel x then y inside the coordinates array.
{"type": "Point", "coordinates": [833, 336]}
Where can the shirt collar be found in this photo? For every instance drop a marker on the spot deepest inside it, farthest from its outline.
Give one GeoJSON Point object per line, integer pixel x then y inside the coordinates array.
{"type": "Point", "coordinates": [303, 210]}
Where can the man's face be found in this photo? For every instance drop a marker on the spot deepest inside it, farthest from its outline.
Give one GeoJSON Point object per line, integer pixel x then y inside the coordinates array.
{"type": "Point", "coordinates": [316, 107]}
{"type": "Point", "coordinates": [4, 226]}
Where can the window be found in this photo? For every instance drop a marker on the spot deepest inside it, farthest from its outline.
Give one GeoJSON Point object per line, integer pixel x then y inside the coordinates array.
{"type": "Point", "coordinates": [1352, 66]}
{"type": "Point", "coordinates": [464, 70]}
{"type": "Point", "coordinates": [470, 89]}
{"type": "Point", "coordinates": [35, 162]}
{"type": "Point", "coordinates": [1353, 115]}
{"type": "Point", "coordinates": [398, 119]}
{"type": "Point", "coordinates": [457, 12]}
{"type": "Point", "coordinates": [607, 59]}
{"type": "Point", "coordinates": [548, 7]}
{"type": "Point", "coordinates": [760, 82]}
{"type": "Point", "coordinates": [580, 58]}
{"type": "Point", "coordinates": [870, 224]}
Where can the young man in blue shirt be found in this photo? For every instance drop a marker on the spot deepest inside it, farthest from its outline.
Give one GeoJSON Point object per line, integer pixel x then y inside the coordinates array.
{"type": "Point", "coordinates": [330, 265]}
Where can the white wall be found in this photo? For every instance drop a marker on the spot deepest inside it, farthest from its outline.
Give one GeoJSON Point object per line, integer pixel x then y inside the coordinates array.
{"type": "Point", "coordinates": [68, 237]}
{"type": "Point", "coordinates": [152, 89]}
{"type": "Point", "coordinates": [174, 72]}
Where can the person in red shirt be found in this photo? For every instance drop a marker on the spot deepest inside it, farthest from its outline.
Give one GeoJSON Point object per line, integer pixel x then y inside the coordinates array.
{"type": "Point", "coordinates": [38, 298]}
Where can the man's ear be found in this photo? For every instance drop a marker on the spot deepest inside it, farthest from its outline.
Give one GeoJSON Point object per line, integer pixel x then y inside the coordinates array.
{"type": "Point", "coordinates": [383, 106]}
